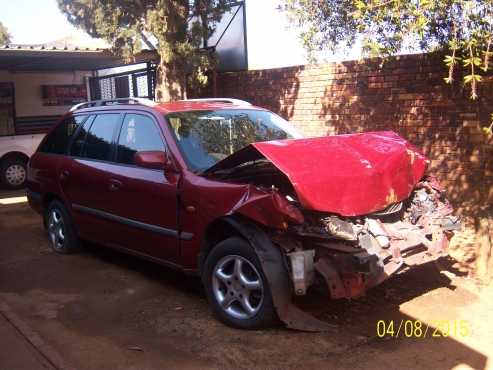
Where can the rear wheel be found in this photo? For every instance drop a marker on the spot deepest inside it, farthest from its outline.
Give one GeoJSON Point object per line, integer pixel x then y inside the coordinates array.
{"type": "Point", "coordinates": [60, 229]}
{"type": "Point", "coordinates": [236, 286]}
{"type": "Point", "coordinates": [13, 172]}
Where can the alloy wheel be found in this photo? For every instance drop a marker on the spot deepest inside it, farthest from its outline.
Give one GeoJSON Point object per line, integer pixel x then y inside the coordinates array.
{"type": "Point", "coordinates": [56, 229]}
{"type": "Point", "coordinates": [237, 287]}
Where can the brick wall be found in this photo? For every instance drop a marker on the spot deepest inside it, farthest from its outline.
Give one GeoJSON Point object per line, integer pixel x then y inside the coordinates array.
{"type": "Point", "coordinates": [405, 94]}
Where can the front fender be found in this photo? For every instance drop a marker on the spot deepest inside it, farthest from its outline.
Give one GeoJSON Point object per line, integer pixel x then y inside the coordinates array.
{"type": "Point", "coordinates": [274, 266]}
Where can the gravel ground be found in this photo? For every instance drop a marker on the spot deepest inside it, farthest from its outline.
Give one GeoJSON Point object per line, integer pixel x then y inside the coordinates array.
{"type": "Point", "coordinates": [104, 310]}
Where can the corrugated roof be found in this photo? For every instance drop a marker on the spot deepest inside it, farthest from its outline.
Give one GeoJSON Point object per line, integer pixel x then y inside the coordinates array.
{"type": "Point", "coordinates": [30, 58]}
{"type": "Point", "coordinates": [43, 47]}
{"type": "Point", "coordinates": [68, 43]}
{"type": "Point", "coordinates": [69, 53]}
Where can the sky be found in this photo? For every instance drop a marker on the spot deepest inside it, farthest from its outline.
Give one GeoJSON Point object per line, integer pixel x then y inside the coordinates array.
{"type": "Point", "coordinates": [34, 21]}
{"type": "Point", "coordinates": [272, 42]}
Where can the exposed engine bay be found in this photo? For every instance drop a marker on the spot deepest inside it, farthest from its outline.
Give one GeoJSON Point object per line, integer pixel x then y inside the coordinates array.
{"type": "Point", "coordinates": [356, 253]}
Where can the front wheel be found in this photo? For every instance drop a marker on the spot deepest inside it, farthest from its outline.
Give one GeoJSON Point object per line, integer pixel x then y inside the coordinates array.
{"type": "Point", "coordinates": [236, 286]}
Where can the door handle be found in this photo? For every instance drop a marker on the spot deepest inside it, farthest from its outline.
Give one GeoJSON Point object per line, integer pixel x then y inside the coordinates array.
{"type": "Point", "coordinates": [115, 184]}
{"type": "Point", "coordinates": [64, 174]}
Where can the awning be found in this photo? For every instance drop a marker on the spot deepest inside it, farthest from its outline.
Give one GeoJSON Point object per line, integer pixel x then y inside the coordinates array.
{"type": "Point", "coordinates": [55, 59]}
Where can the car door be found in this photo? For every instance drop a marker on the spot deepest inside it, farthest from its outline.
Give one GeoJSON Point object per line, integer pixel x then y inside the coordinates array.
{"type": "Point", "coordinates": [44, 166]}
{"type": "Point", "coordinates": [143, 201]}
{"type": "Point", "coordinates": [84, 176]}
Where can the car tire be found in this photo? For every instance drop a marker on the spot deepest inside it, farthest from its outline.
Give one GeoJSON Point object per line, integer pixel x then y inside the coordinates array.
{"type": "Point", "coordinates": [236, 286]}
{"type": "Point", "coordinates": [13, 172]}
{"type": "Point", "coordinates": [60, 229]}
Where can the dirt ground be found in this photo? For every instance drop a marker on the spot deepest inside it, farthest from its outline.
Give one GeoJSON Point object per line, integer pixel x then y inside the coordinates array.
{"type": "Point", "coordinates": [103, 310]}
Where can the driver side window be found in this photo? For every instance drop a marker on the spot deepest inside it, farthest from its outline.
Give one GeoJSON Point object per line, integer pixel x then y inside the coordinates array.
{"type": "Point", "coordinates": [138, 133]}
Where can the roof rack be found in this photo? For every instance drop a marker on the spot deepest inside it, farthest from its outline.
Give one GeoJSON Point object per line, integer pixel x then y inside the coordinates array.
{"type": "Point", "coordinates": [221, 100]}
{"type": "Point", "coordinates": [100, 103]}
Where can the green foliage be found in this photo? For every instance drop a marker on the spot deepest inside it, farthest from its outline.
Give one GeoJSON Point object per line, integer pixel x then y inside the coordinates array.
{"type": "Point", "coordinates": [386, 27]}
{"type": "Point", "coordinates": [4, 35]}
{"type": "Point", "coordinates": [127, 24]}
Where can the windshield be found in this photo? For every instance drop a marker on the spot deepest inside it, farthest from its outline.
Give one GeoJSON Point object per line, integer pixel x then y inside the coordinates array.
{"type": "Point", "coordinates": [206, 137]}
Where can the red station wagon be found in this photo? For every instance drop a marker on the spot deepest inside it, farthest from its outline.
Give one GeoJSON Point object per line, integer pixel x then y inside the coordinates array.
{"type": "Point", "coordinates": [231, 191]}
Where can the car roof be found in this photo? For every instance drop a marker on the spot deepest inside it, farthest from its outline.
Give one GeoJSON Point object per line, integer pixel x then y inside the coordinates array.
{"type": "Point", "coordinates": [185, 106]}
{"type": "Point", "coordinates": [167, 107]}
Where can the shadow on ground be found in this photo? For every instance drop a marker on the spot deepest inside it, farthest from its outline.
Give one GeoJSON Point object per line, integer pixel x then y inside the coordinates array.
{"type": "Point", "coordinates": [100, 308]}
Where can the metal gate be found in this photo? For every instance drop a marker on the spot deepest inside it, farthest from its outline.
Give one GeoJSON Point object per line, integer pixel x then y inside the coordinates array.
{"type": "Point", "coordinates": [138, 83]}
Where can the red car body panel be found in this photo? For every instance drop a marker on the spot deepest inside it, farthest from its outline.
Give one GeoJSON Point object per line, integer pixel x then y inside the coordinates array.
{"type": "Point", "coordinates": [349, 175]}
{"type": "Point", "coordinates": [210, 200]}
{"type": "Point", "coordinates": [129, 192]}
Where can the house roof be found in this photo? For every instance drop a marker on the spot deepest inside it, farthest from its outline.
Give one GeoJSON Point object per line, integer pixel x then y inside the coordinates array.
{"type": "Point", "coordinates": [32, 59]}
{"type": "Point", "coordinates": [48, 47]}
{"type": "Point", "coordinates": [66, 54]}
{"type": "Point", "coordinates": [68, 43]}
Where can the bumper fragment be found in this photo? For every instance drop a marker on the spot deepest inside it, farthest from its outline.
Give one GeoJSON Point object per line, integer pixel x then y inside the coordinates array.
{"type": "Point", "coordinates": [350, 275]}
{"type": "Point", "coordinates": [389, 242]}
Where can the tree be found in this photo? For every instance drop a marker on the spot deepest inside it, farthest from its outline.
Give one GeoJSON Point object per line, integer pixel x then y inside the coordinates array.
{"type": "Point", "coordinates": [4, 35]}
{"type": "Point", "coordinates": [385, 27]}
{"type": "Point", "coordinates": [463, 29]}
{"type": "Point", "coordinates": [160, 24]}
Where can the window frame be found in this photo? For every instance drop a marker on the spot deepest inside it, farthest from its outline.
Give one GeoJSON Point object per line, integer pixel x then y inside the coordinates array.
{"type": "Point", "coordinates": [69, 143]}
{"type": "Point", "coordinates": [112, 143]}
{"type": "Point", "coordinates": [120, 128]}
{"type": "Point", "coordinates": [81, 126]}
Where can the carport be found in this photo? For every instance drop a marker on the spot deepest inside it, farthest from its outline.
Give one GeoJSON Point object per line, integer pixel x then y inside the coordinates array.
{"type": "Point", "coordinates": [45, 58]}
{"type": "Point", "coordinates": [38, 83]}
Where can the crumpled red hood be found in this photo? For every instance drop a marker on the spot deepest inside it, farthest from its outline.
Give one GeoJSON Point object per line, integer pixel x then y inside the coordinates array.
{"type": "Point", "coordinates": [350, 175]}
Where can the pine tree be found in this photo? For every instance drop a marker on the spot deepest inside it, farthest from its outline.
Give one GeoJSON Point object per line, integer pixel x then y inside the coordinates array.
{"type": "Point", "coordinates": [128, 24]}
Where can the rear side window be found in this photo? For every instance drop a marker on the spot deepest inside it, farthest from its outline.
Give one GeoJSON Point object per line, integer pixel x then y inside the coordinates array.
{"type": "Point", "coordinates": [100, 136]}
{"type": "Point", "coordinates": [138, 133]}
{"type": "Point", "coordinates": [80, 137]}
{"type": "Point", "coordinates": [57, 140]}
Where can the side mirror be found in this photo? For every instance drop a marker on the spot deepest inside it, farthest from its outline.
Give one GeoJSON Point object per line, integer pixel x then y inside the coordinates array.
{"type": "Point", "coordinates": [154, 159]}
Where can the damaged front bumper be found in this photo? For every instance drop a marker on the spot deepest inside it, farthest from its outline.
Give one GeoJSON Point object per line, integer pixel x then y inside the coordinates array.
{"type": "Point", "coordinates": [353, 255]}
{"type": "Point", "coordinates": [350, 275]}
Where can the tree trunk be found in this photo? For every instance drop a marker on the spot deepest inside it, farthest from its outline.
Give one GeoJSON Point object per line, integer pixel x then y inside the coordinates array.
{"type": "Point", "coordinates": [484, 260]}
{"type": "Point", "coordinates": [170, 82]}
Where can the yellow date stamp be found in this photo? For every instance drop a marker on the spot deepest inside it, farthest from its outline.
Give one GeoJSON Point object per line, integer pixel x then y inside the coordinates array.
{"type": "Point", "coordinates": [420, 329]}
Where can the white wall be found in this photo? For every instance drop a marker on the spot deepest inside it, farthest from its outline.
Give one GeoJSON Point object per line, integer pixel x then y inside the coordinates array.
{"type": "Point", "coordinates": [28, 94]}
{"type": "Point", "coordinates": [272, 41]}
